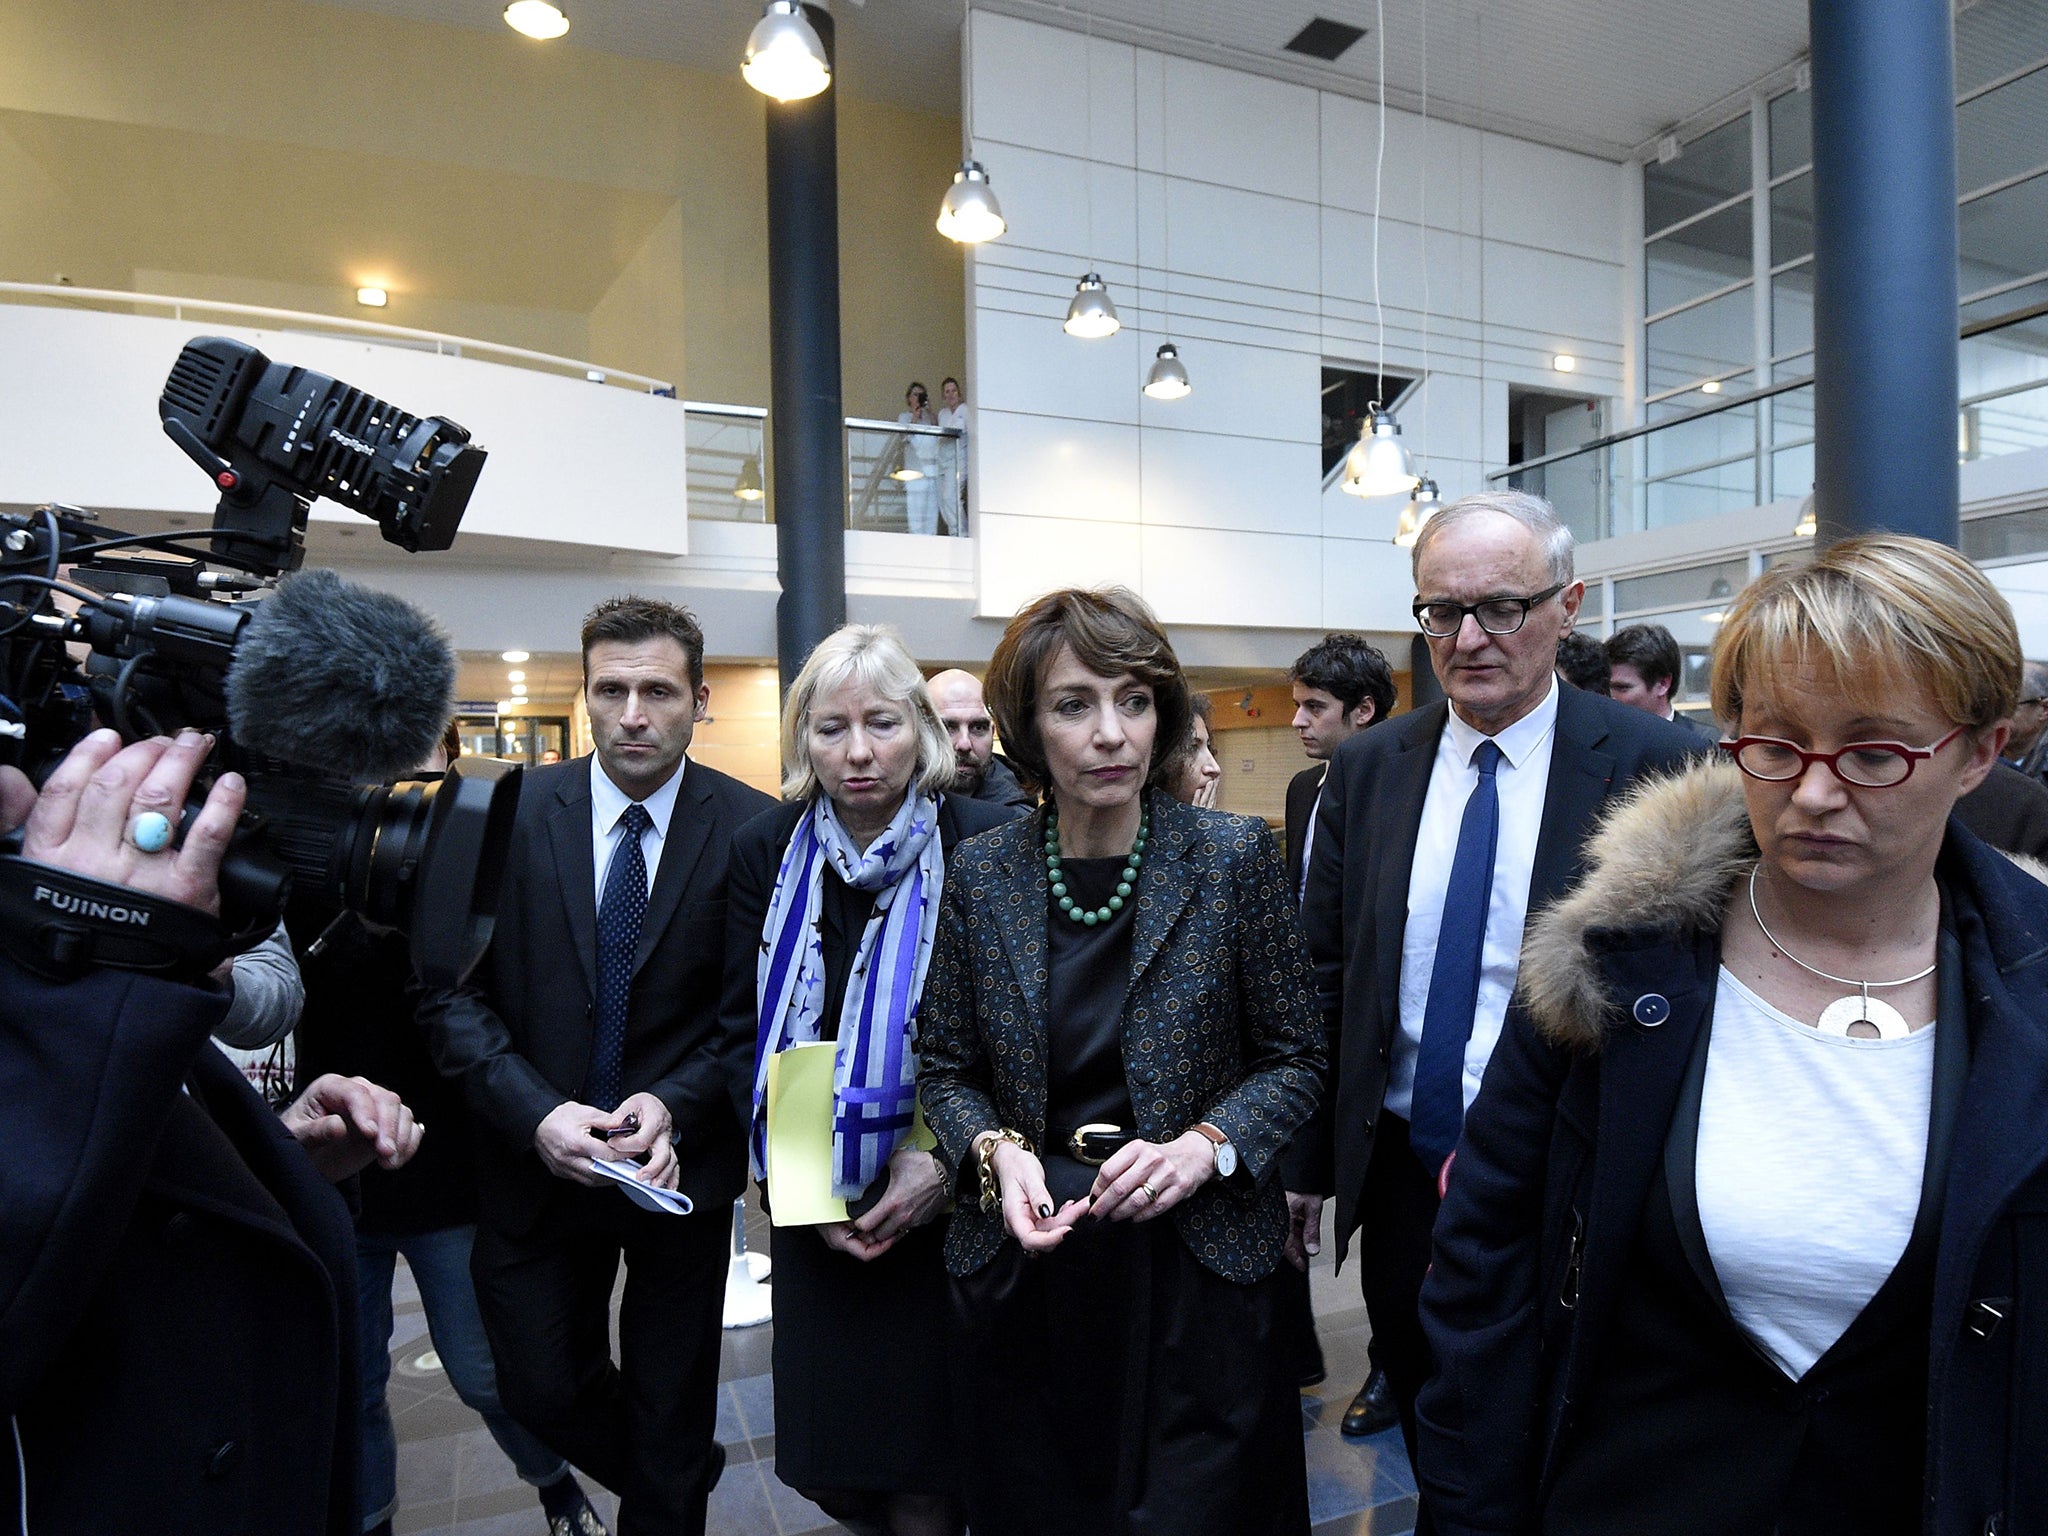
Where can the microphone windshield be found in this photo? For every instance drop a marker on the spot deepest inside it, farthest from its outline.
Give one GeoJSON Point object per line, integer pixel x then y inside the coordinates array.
{"type": "Point", "coordinates": [331, 675]}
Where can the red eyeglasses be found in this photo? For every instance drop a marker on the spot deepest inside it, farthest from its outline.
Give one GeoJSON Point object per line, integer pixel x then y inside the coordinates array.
{"type": "Point", "coordinates": [1864, 764]}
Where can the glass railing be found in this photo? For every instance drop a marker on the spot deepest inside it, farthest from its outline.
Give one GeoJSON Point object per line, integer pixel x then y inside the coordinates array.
{"type": "Point", "coordinates": [904, 477]}
{"type": "Point", "coordinates": [1755, 447]}
{"type": "Point", "coordinates": [900, 477]}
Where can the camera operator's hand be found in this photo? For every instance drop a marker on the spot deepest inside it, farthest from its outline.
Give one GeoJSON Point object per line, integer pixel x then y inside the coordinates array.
{"type": "Point", "coordinates": [81, 820]}
{"type": "Point", "coordinates": [347, 1123]}
{"type": "Point", "coordinates": [17, 799]}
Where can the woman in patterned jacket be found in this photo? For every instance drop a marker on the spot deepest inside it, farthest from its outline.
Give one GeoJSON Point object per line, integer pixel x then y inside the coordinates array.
{"type": "Point", "coordinates": [1118, 1027]}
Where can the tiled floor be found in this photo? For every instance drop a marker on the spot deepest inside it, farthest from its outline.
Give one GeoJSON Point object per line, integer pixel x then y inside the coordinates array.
{"type": "Point", "coordinates": [453, 1480]}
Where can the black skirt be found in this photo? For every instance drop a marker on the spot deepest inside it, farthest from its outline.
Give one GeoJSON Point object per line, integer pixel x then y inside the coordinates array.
{"type": "Point", "coordinates": [1115, 1387]}
{"type": "Point", "coordinates": [861, 1392]}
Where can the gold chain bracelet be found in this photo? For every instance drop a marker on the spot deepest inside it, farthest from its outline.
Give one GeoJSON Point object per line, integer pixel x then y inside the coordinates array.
{"type": "Point", "coordinates": [991, 1191]}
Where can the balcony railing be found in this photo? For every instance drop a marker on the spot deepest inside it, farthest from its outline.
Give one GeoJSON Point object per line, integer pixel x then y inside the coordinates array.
{"type": "Point", "coordinates": [901, 477]}
{"type": "Point", "coordinates": [1747, 449]}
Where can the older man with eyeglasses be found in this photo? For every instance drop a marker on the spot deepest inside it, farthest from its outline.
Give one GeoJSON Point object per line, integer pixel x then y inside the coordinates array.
{"type": "Point", "coordinates": [1438, 834]}
{"type": "Point", "coordinates": [2027, 748]}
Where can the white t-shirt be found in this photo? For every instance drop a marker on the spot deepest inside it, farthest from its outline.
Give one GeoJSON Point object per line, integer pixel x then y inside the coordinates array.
{"type": "Point", "coordinates": [1812, 1148]}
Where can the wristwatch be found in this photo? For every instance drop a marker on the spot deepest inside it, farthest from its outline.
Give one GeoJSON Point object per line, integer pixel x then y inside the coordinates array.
{"type": "Point", "coordinates": [1226, 1154]}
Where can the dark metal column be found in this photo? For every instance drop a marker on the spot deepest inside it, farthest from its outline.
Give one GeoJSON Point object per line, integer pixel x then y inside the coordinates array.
{"type": "Point", "coordinates": [1423, 688]}
{"type": "Point", "coordinates": [806, 414]}
{"type": "Point", "coordinates": [1884, 312]}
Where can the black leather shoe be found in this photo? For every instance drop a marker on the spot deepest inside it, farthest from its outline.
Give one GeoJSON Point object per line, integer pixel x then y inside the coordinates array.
{"type": "Point", "coordinates": [1373, 1409]}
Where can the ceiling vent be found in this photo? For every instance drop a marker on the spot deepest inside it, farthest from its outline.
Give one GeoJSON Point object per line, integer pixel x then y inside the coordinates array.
{"type": "Point", "coordinates": [1325, 39]}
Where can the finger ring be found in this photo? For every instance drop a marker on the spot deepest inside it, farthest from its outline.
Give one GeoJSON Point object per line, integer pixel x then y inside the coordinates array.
{"type": "Point", "coordinates": [1148, 1191]}
{"type": "Point", "coordinates": [151, 832]}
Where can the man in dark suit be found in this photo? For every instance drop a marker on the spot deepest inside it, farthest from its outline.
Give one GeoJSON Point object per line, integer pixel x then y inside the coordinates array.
{"type": "Point", "coordinates": [1643, 665]}
{"type": "Point", "coordinates": [591, 1030]}
{"type": "Point", "coordinates": [1438, 835]}
{"type": "Point", "coordinates": [1341, 685]}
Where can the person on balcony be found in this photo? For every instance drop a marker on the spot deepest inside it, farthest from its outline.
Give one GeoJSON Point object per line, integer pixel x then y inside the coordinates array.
{"type": "Point", "coordinates": [923, 457]}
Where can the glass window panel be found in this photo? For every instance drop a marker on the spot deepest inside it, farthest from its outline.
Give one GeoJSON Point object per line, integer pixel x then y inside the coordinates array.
{"type": "Point", "coordinates": [2002, 133]}
{"type": "Point", "coordinates": [1792, 220]}
{"type": "Point", "coordinates": [1703, 441]}
{"type": "Point", "coordinates": [1698, 258]}
{"type": "Point", "coordinates": [1666, 589]}
{"type": "Point", "coordinates": [1595, 604]}
{"type": "Point", "coordinates": [2000, 360]}
{"type": "Point", "coordinates": [1791, 473]}
{"type": "Point", "coordinates": [1797, 367]}
{"type": "Point", "coordinates": [1711, 169]}
{"type": "Point", "coordinates": [1791, 131]}
{"type": "Point", "coordinates": [1713, 338]}
{"type": "Point", "coordinates": [1700, 493]}
{"type": "Point", "coordinates": [2012, 300]}
{"type": "Point", "coordinates": [1791, 416]}
{"type": "Point", "coordinates": [1995, 37]}
{"type": "Point", "coordinates": [1792, 311]}
{"type": "Point", "coordinates": [2012, 533]}
{"type": "Point", "coordinates": [2004, 235]}
{"type": "Point", "coordinates": [2010, 423]}
{"type": "Point", "coordinates": [1801, 555]}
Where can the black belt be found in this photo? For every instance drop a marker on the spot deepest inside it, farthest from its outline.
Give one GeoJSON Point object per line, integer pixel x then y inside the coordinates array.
{"type": "Point", "coordinates": [1094, 1143]}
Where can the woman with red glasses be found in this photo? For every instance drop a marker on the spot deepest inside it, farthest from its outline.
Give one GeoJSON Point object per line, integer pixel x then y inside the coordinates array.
{"type": "Point", "coordinates": [1748, 1232]}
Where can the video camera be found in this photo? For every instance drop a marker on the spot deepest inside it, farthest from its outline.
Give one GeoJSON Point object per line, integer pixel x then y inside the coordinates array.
{"type": "Point", "coordinates": [313, 692]}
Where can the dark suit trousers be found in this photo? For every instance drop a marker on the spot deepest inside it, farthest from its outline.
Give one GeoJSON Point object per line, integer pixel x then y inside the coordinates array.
{"type": "Point", "coordinates": [643, 1427]}
{"type": "Point", "coordinates": [1397, 1214]}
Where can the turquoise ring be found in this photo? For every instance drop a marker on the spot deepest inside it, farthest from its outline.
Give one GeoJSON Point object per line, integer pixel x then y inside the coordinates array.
{"type": "Point", "coordinates": [151, 832]}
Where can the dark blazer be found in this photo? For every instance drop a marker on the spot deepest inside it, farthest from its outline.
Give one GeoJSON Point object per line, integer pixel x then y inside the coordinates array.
{"type": "Point", "coordinates": [1548, 1194]}
{"type": "Point", "coordinates": [177, 1282]}
{"type": "Point", "coordinates": [757, 850]}
{"type": "Point", "coordinates": [2009, 810]}
{"type": "Point", "coordinates": [1219, 1020]}
{"type": "Point", "coordinates": [518, 1034]}
{"type": "Point", "coordinates": [1301, 802]}
{"type": "Point", "coordinates": [1357, 907]}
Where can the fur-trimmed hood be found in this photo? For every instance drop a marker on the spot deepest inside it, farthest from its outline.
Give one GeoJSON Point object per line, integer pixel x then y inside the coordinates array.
{"type": "Point", "coordinates": [1665, 857]}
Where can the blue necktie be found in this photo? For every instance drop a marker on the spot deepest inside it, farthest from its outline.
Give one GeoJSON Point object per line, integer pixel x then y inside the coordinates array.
{"type": "Point", "coordinates": [1438, 1111]}
{"type": "Point", "coordinates": [619, 916]}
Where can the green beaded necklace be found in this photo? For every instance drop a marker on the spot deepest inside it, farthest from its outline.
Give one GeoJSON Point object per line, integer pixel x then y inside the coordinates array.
{"type": "Point", "coordinates": [1126, 883]}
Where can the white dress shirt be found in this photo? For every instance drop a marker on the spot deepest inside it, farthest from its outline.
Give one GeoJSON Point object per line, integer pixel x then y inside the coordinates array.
{"type": "Point", "coordinates": [1522, 780]}
{"type": "Point", "coordinates": [1308, 838]}
{"type": "Point", "coordinates": [608, 803]}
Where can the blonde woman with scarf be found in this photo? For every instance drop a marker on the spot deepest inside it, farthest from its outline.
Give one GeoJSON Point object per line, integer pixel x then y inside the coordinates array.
{"type": "Point", "coordinates": [832, 902]}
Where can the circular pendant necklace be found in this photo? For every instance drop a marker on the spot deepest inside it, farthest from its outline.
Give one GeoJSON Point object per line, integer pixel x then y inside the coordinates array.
{"type": "Point", "coordinates": [1844, 1013]}
{"type": "Point", "coordinates": [1126, 882]}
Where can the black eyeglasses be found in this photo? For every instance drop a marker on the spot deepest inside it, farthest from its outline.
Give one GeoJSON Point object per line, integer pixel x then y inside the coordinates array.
{"type": "Point", "coordinates": [1497, 615]}
{"type": "Point", "coordinates": [1864, 764]}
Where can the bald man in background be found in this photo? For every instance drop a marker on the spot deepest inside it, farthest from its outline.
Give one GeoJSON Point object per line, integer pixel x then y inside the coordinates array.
{"type": "Point", "coordinates": [978, 773]}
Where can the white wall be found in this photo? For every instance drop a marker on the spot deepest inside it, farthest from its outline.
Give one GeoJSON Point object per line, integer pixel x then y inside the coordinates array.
{"type": "Point", "coordinates": [1243, 205]}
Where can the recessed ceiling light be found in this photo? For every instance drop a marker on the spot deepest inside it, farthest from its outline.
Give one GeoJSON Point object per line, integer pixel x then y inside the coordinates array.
{"type": "Point", "coordinates": [517, 677]}
{"type": "Point", "coordinates": [1564, 362]}
{"type": "Point", "coordinates": [537, 19]}
{"type": "Point", "coordinates": [372, 298]}
{"type": "Point", "coordinates": [1711, 387]}
{"type": "Point", "coordinates": [510, 706]}
{"type": "Point", "coordinates": [519, 690]}
{"type": "Point", "coordinates": [514, 655]}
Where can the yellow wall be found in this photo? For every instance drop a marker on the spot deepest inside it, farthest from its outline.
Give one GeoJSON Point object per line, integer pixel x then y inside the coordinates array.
{"type": "Point", "coordinates": [557, 198]}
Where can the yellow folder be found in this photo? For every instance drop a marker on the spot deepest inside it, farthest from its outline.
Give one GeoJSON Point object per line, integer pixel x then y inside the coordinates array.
{"type": "Point", "coordinates": [800, 1136]}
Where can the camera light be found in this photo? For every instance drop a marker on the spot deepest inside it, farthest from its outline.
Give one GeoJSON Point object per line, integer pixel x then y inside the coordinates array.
{"type": "Point", "coordinates": [538, 19]}
{"type": "Point", "coordinates": [372, 298]}
{"type": "Point", "coordinates": [513, 655]}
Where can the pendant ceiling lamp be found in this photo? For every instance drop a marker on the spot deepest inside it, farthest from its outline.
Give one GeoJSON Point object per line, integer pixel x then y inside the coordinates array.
{"type": "Point", "coordinates": [1091, 316]}
{"type": "Point", "coordinates": [785, 58]}
{"type": "Point", "coordinates": [748, 486]}
{"type": "Point", "coordinates": [537, 19]}
{"type": "Point", "coordinates": [1168, 379]}
{"type": "Point", "coordinates": [1425, 505]}
{"type": "Point", "coordinates": [1378, 465]}
{"type": "Point", "coordinates": [970, 213]}
{"type": "Point", "coordinates": [1808, 525]}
